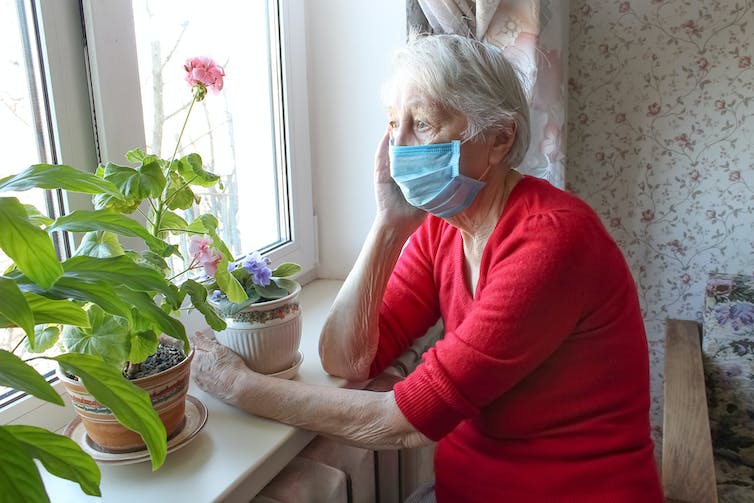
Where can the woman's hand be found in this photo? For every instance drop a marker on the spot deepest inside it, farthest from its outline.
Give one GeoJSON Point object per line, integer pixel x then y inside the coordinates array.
{"type": "Point", "coordinates": [392, 207]}
{"type": "Point", "coordinates": [215, 368]}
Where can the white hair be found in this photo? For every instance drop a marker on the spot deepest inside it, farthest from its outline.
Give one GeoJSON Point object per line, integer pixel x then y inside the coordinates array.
{"type": "Point", "coordinates": [473, 78]}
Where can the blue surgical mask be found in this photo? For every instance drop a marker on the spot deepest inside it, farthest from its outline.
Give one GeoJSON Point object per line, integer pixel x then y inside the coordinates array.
{"type": "Point", "coordinates": [429, 177]}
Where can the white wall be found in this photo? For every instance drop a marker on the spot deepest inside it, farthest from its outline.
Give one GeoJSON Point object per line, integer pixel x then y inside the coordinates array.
{"type": "Point", "coordinates": [350, 44]}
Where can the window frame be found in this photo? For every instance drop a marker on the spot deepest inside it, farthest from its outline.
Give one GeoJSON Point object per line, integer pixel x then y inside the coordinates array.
{"type": "Point", "coordinates": [64, 79]}
{"type": "Point", "coordinates": [80, 138]}
{"type": "Point", "coordinates": [116, 98]}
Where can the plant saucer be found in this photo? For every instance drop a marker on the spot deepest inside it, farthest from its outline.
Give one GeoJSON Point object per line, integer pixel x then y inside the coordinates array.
{"type": "Point", "coordinates": [196, 418]}
{"type": "Point", "coordinates": [291, 372]}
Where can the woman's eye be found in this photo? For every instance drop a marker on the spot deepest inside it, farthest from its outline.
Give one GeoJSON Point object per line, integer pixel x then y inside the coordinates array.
{"type": "Point", "coordinates": [393, 124]}
{"type": "Point", "coordinates": [421, 125]}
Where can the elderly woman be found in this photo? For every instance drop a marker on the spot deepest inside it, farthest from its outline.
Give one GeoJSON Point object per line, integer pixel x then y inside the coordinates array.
{"type": "Point", "coordinates": [539, 390]}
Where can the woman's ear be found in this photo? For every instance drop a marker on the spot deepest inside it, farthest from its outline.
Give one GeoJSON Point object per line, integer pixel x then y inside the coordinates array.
{"type": "Point", "coordinates": [502, 141]}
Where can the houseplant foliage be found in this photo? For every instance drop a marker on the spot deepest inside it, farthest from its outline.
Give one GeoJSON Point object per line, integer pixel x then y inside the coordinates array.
{"type": "Point", "coordinates": [259, 281]}
{"type": "Point", "coordinates": [107, 305]}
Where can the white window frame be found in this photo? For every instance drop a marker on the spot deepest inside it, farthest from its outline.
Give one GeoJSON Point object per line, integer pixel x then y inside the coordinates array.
{"type": "Point", "coordinates": [118, 129]}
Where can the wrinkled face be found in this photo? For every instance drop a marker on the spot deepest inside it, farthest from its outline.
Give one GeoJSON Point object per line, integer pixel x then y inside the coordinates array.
{"type": "Point", "coordinates": [415, 119]}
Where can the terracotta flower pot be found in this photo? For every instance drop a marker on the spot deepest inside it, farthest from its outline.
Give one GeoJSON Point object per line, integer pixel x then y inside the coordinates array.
{"type": "Point", "coordinates": [167, 390]}
{"type": "Point", "coordinates": [266, 335]}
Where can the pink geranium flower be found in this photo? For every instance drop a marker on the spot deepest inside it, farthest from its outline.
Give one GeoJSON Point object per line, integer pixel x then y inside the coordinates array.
{"type": "Point", "coordinates": [202, 253]}
{"type": "Point", "coordinates": [211, 261]}
{"type": "Point", "coordinates": [204, 73]}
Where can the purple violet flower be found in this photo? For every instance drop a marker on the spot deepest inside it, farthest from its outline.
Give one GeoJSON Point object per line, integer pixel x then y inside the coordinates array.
{"type": "Point", "coordinates": [217, 296]}
{"type": "Point", "coordinates": [258, 267]}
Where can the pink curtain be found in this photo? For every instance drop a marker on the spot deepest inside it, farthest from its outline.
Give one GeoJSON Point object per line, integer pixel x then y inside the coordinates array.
{"type": "Point", "coordinates": [533, 34]}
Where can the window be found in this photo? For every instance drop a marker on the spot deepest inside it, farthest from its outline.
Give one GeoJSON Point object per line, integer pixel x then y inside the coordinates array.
{"type": "Point", "coordinates": [254, 134]}
{"type": "Point", "coordinates": [234, 132]}
{"type": "Point", "coordinates": [36, 78]}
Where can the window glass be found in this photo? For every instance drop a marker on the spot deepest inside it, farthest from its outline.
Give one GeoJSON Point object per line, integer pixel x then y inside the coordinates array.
{"type": "Point", "coordinates": [234, 131]}
{"type": "Point", "coordinates": [25, 126]}
{"type": "Point", "coordinates": [239, 133]}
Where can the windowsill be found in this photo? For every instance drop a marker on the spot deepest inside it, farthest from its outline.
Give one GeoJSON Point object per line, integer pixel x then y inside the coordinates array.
{"type": "Point", "coordinates": [235, 454]}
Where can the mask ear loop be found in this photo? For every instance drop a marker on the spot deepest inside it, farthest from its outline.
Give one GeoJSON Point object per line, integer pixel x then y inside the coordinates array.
{"type": "Point", "coordinates": [484, 175]}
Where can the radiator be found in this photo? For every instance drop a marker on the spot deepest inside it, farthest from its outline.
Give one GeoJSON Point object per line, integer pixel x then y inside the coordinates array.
{"type": "Point", "coordinates": [327, 471]}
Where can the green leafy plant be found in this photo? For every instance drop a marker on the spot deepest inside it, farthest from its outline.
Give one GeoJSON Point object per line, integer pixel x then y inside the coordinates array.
{"type": "Point", "coordinates": [107, 305]}
{"type": "Point", "coordinates": [40, 295]}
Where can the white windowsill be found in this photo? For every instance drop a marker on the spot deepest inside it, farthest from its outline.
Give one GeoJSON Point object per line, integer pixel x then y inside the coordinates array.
{"type": "Point", "coordinates": [235, 454]}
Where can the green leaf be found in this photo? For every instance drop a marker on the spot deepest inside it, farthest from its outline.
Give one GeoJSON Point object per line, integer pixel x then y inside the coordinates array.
{"type": "Point", "coordinates": [286, 270]}
{"type": "Point", "coordinates": [150, 259]}
{"type": "Point", "coordinates": [19, 476]}
{"type": "Point", "coordinates": [136, 156]}
{"type": "Point", "coordinates": [197, 226]}
{"type": "Point", "coordinates": [109, 220]}
{"type": "Point", "coordinates": [45, 337]}
{"type": "Point", "coordinates": [58, 176]}
{"type": "Point", "coordinates": [172, 222]}
{"type": "Point", "coordinates": [140, 183]}
{"type": "Point", "coordinates": [143, 345]}
{"type": "Point", "coordinates": [60, 456]}
{"type": "Point", "coordinates": [191, 169]}
{"type": "Point", "coordinates": [107, 337]}
{"type": "Point", "coordinates": [130, 404]}
{"type": "Point", "coordinates": [161, 320]}
{"type": "Point", "coordinates": [56, 311]}
{"type": "Point", "coordinates": [228, 283]}
{"type": "Point", "coordinates": [288, 284]}
{"type": "Point", "coordinates": [99, 244]}
{"type": "Point", "coordinates": [101, 293]}
{"type": "Point", "coordinates": [27, 245]}
{"type": "Point", "coordinates": [180, 194]}
{"type": "Point", "coordinates": [228, 308]}
{"type": "Point", "coordinates": [14, 306]}
{"type": "Point", "coordinates": [120, 270]}
{"type": "Point", "coordinates": [271, 291]}
{"type": "Point", "coordinates": [18, 375]}
{"type": "Point", "coordinates": [36, 217]}
{"type": "Point", "coordinates": [198, 295]}
{"type": "Point", "coordinates": [108, 202]}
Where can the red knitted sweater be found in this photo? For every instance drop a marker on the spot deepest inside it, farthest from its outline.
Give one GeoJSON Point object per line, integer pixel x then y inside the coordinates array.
{"type": "Point", "coordinates": [539, 390]}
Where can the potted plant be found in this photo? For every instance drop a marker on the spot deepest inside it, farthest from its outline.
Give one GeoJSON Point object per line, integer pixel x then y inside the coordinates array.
{"type": "Point", "coordinates": [265, 329]}
{"type": "Point", "coordinates": [41, 294]}
{"type": "Point", "coordinates": [109, 306]}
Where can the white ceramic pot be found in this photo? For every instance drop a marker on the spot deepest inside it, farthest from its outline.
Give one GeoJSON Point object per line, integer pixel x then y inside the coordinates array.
{"type": "Point", "coordinates": [266, 335]}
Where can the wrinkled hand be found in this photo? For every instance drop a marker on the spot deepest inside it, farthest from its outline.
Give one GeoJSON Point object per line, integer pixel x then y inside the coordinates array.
{"type": "Point", "coordinates": [215, 368]}
{"type": "Point", "coordinates": [391, 205]}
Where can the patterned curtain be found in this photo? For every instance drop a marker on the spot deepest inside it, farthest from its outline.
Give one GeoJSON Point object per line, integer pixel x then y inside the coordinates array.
{"type": "Point", "coordinates": [533, 35]}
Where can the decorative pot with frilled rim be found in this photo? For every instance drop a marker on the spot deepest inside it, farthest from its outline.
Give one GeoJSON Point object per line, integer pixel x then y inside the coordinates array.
{"type": "Point", "coordinates": [266, 335]}
{"type": "Point", "coordinates": [167, 389]}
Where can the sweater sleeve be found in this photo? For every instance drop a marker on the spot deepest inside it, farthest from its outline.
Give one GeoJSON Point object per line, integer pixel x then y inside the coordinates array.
{"type": "Point", "coordinates": [529, 300]}
{"type": "Point", "coordinates": [410, 305]}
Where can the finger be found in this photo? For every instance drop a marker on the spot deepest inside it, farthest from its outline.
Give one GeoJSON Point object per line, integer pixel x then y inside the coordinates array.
{"type": "Point", "coordinates": [201, 341]}
{"type": "Point", "coordinates": [382, 147]}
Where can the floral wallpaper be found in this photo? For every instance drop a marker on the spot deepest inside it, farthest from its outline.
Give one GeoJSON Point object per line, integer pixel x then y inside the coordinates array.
{"type": "Point", "coordinates": [661, 144]}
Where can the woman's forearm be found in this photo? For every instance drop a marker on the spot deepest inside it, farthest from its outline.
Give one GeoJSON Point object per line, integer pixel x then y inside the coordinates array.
{"type": "Point", "coordinates": [366, 419]}
{"type": "Point", "coordinates": [350, 334]}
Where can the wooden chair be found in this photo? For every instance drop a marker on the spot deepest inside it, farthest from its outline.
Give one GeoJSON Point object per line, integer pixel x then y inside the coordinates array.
{"type": "Point", "coordinates": [688, 469]}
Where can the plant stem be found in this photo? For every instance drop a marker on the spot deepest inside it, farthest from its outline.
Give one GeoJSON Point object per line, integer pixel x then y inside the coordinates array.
{"type": "Point", "coordinates": [163, 198]}
{"type": "Point", "coordinates": [192, 265]}
{"type": "Point", "coordinates": [19, 344]}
